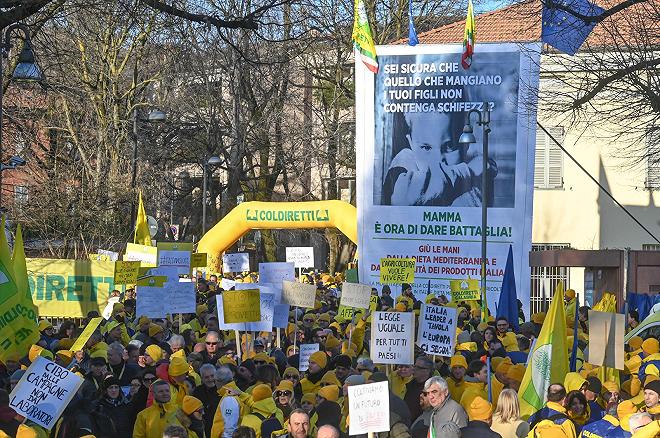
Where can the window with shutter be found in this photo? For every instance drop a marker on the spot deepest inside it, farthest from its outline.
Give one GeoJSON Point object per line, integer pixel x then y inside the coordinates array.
{"type": "Point", "coordinates": [549, 159]}
{"type": "Point", "coordinates": [653, 161]}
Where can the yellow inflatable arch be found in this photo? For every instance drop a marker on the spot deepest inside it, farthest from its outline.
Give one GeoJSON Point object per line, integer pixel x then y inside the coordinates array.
{"type": "Point", "coordinates": [275, 215]}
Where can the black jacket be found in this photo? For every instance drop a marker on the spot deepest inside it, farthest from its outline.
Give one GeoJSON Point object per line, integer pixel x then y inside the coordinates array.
{"type": "Point", "coordinates": [210, 399]}
{"type": "Point", "coordinates": [413, 391]}
{"type": "Point", "coordinates": [478, 429]}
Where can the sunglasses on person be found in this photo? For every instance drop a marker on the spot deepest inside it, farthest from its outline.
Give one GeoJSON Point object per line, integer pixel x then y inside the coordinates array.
{"type": "Point", "coordinates": [283, 393]}
{"type": "Point", "coordinates": [211, 343]}
{"type": "Point", "coordinates": [290, 377]}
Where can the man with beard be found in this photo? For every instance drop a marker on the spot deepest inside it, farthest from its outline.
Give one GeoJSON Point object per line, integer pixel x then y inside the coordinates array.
{"type": "Point", "coordinates": [455, 382]}
{"type": "Point", "coordinates": [311, 383]}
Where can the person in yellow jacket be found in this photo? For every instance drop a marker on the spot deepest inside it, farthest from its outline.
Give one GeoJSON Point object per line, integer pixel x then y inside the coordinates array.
{"type": "Point", "coordinates": [152, 421]}
{"type": "Point", "coordinates": [399, 379]}
{"type": "Point", "coordinates": [508, 339]}
{"type": "Point", "coordinates": [191, 416]}
{"type": "Point", "coordinates": [178, 371]}
{"type": "Point", "coordinates": [264, 408]}
{"type": "Point", "coordinates": [455, 381]}
{"type": "Point", "coordinates": [311, 383]}
{"type": "Point", "coordinates": [233, 406]}
{"type": "Point", "coordinates": [570, 304]}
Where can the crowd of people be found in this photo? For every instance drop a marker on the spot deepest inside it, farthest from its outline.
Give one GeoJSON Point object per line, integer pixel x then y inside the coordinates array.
{"type": "Point", "coordinates": [185, 377]}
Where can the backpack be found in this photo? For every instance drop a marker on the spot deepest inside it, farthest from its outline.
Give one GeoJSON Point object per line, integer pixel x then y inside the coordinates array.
{"type": "Point", "coordinates": [548, 427]}
{"type": "Point", "coordinates": [268, 425]}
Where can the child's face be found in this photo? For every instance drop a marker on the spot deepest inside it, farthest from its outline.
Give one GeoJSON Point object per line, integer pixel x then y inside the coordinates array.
{"type": "Point", "coordinates": [430, 138]}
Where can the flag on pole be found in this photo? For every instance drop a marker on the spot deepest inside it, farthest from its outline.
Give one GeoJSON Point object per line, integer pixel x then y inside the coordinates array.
{"type": "Point", "coordinates": [508, 304]}
{"type": "Point", "coordinates": [563, 30]}
{"type": "Point", "coordinates": [19, 332]}
{"type": "Point", "coordinates": [412, 32]}
{"type": "Point", "coordinates": [469, 38]}
{"type": "Point", "coordinates": [548, 362]}
{"type": "Point", "coordinates": [363, 41]}
{"type": "Point", "coordinates": [142, 235]}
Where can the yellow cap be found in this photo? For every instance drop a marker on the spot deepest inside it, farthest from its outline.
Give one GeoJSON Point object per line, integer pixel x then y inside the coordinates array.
{"type": "Point", "coordinates": [191, 404]}
{"type": "Point", "coordinates": [44, 324]}
{"type": "Point", "coordinates": [261, 392]}
{"type": "Point", "coordinates": [330, 393]}
{"type": "Point", "coordinates": [458, 360]}
{"type": "Point", "coordinates": [479, 410]}
{"type": "Point", "coordinates": [651, 346]}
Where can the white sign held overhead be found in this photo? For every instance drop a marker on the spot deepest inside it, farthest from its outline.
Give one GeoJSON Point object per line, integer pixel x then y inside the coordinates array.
{"type": "Point", "coordinates": [306, 350]}
{"type": "Point", "coordinates": [236, 262]}
{"type": "Point", "coordinates": [180, 297]}
{"type": "Point", "coordinates": [179, 260]}
{"type": "Point", "coordinates": [298, 294]}
{"type": "Point", "coordinates": [369, 408]}
{"type": "Point", "coordinates": [355, 295]}
{"type": "Point", "coordinates": [392, 338]}
{"type": "Point", "coordinates": [44, 392]}
{"type": "Point", "coordinates": [437, 330]}
{"type": "Point", "coordinates": [276, 272]}
{"type": "Point", "coordinates": [300, 256]}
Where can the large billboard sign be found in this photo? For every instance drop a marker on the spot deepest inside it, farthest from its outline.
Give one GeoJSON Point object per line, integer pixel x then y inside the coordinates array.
{"type": "Point", "coordinates": [419, 190]}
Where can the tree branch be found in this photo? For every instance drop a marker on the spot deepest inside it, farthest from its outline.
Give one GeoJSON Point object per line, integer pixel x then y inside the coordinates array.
{"type": "Point", "coordinates": [20, 11]}
{"type": "Point", "coordinates": [602, 83]}
{"type": "Point", "coordinates": [245, 23]}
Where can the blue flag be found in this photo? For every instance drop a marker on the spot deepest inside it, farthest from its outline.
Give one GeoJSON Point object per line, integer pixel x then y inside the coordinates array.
{"type": "Point", "coordinates": [508, 305]}
{"type": "Point", "coordinates": [412, 33]}
{"type": "Point", "coordinates": [562, 30]}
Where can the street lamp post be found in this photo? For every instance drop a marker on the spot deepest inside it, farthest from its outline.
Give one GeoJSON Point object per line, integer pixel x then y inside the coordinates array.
{"type": "Point", "coordinates": [155, 116]}
{"type": "Point", "coordinates": [213, 161]}
{"type": "Point", "coordinates": [466, 138]}
{"type": "Point", "coordinates": [26, 70]}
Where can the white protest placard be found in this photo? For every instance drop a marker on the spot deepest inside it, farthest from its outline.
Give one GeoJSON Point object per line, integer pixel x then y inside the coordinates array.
{"type": "Point", "coordinates": [276, 272]}
{"type": "Point", "coordinates": [227, 284]}
{"type": "Point", "coordinates": [44, 392]}
{"type": "Point", "coordinates": [236, 262]}
{"type": "Point", "coordinates": [148, 255]}
{"type": "Point", "coordinates": [306, 350]}
{"type": "Point", "coordinates": [392, 338]}
{"type": "Point", "coordinates": [300, 256]}
{"type": "Point", "coordinates": [180, 260]}
{"type": "Point", "coordinates": [369, 408]}
{"type": "Point", "coordinates": [180, 297]}
{"type": "Point", "coordinates": [298, 294]}
{"type": "Point", "coordinates": [437, 330]}
{"type": "Point", "coordinates": [281, 316]}
{"type": "Point", "coordinates": [152, 297]}
{"type": "Point", "coordinates": [355, 295]}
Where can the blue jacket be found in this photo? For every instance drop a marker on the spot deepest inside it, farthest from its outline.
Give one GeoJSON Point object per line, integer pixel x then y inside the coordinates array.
{"type": "Point", "coordinates": [607, 427]}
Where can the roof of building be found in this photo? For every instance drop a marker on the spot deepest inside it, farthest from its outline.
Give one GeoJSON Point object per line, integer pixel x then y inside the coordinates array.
{"type": "Point", "coordinates": [521, 22]}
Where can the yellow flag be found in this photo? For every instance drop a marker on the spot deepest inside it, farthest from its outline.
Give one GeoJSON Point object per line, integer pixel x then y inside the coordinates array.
{"type": "Point", "coordinates": [548, 363]}
{"type": "Point", "coordinates": [142, 235]}
{"type": "Point", "coordinates": [19, 325]}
